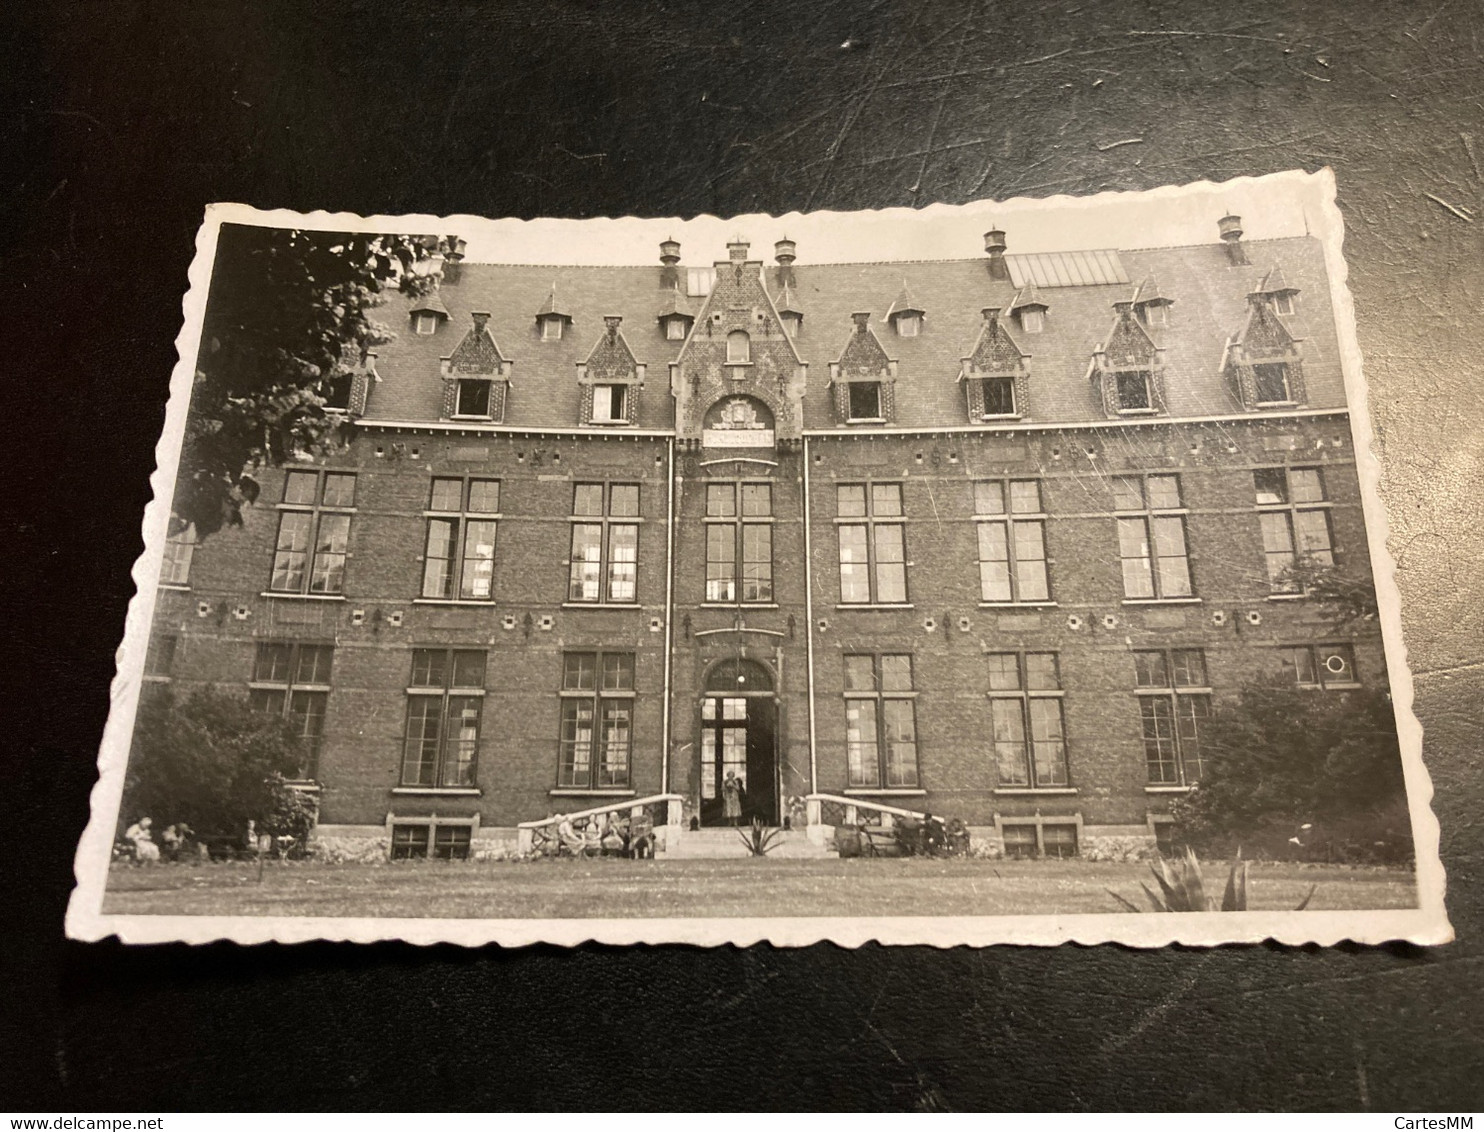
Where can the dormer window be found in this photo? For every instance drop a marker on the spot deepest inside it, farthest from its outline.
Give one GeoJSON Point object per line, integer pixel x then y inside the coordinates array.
{"type": "Point", "coordinates": [908, 325]}
{"type": "Point", "coordinates": [676, 328]}
{"type": "Point", "coordinates": [1133, 390]}
{"type": "Point", "coordinates": [1153, 314]}
{"type": "Point", "coordinates": [1271, 381]}
{"type": "Point", "coordinates": [999, 397]}
{"type": "Point", "coordinates": [610, 404]}
{"type": "Point", "coordinates": [425, 322]}
{"type": "Point", "coordinates": [1283, 303]}
{"type": "Point", "coordinates": [551, 327]}
{"type": "Point", "coordinates": [792, 324]}
{"type": "Point", "coordinates": [473, 397]}
{"type": "Point", "coordinates": [739, 348]}
{"type": "Point", "coordinates": [865, 401]}
{"type": "Point", "coordinates": [1032, 320]}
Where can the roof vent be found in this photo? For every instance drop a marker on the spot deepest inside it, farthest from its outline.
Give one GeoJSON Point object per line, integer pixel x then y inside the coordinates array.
{"type": "Point", "coordinates": [994, 247]}
{"type": "Point", "coordinates": [785, 251]}
{"type": "Point", "coordinates": [1230, 227]}
{"type": "Point", "coordinates": [669, 253]}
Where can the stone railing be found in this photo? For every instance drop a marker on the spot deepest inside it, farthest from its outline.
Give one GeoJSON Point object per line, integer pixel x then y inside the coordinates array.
{"type": "Point", "coordinates": [827, 811]}
{"type": "Point", "coordinates": [663, 810]}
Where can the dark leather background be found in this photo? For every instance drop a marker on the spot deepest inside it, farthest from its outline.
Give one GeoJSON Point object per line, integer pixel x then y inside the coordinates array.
{"type": "Point", "coordinates": [122, 119]}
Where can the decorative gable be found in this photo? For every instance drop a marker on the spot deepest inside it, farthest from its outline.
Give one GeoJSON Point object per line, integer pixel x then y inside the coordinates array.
{"type": "Point", "coordinates": [995, 374]}
{"type": "Point", "coordinates": [1128, 368]}
{"type": "Point", "coordinates": [1263, 362]}
{"type": "Point", "coordinates": [610, 379]}
{"type": "Point", "coordinates": [476, 376]}
{"type": "Point", "coordinates": [864, 379]}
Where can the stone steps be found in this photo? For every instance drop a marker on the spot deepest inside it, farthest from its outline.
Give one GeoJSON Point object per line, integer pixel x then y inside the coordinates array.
{"type": "Point", "coordinates": [727, 843]}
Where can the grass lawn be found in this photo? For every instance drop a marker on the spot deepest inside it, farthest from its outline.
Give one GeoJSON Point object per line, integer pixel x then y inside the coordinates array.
{"type": "Point", "coordinates": [613, 888]}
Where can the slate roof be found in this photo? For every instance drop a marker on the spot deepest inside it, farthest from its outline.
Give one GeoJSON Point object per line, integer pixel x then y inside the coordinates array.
{"type": "Point", "coordinates": [1210, 292]}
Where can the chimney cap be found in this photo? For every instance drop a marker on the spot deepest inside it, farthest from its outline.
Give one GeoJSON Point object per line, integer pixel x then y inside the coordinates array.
{"type": "Point", "coordinates": [1230, 227]}
{"type": "Point", "coordinates": [669, 252]}
{"type": "Point", "coordinates": [994, 242]}
{"type": "Point", "coordinates": [785, 251]}
{"type": "Point", "coordinates": [862, 320]}
{"type": "Point", "coordinates": [737, 249]}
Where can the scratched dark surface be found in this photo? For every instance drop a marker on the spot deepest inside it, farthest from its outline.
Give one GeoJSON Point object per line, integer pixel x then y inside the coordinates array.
{"type": "Point", "coordinates": [121, 120]}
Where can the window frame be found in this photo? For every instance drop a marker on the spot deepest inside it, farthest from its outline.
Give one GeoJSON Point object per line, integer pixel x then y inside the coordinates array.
{"type": "Point", "coordinates": [613, 390]}
{"type": "Point", "coordinates": [907, 325]}
{"type": "Point", "coordinates": [430, 844]}
{"type": "Point", "coordinates": [1032, 320]}
{"type": "Point", "coordinates": [1147, 375]}
{"type": "Point", "coordinates": [1289, 508]}
{"type": "Point", "coordinates": [180, 549]}
{"type": "Point", "coordinates": [1152, 520]}
{"type": "Point", "coordinates": [1023, 697]}
{"type": "Point", "coordinates": [735, 356]}
{"type": "Point", "coordinates": [1283, 304]}
{"type": "Point", "coordinates": [1008, 380]}
{"type": "Point", "coordinates": [262, 686]}
{"type": "Point", "coordinates": [879, 416]}
{"type": "Point", "coordinates": [1322, 680]}
{"type": "Point", "coordinates": [599, 700]}
{"type": "Point", "coordinates": [425, 318]}
{"type": "Point", "coordinates": [461, 520]}
{"type": "Point", "coordinates": [315, 513]}
{"type": "Point", "coordinates": [673, 323]}
{"type": "Point", "coordinates": [553, 327]}
{"type": "Point", "coordinates": [444, 695]}
{"type": "Point", "coordinates": [872, 524]}
{"type": "Point", "coordinates": [884, 703]}
{"type": "Point", "coordinates": [741, 524]}
{"type": "Point", "coordinates": [464, 383]}
{"type": "Point", "coordinates": [1259, 369]}
{"type": "Point", "coordinates": [1176, 696]}
{"type": "Point", "coordinates": [1038, 826]}
{"type": "Point", "coordinates": [608, 524]}
{"type": "Point", "coordinates": [1007, 520]}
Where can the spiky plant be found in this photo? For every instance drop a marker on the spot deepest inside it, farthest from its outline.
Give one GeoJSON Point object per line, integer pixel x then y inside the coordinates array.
{"type": "Point", "coordinates": [1181, 888]}
{"type": "Point", "coordinates": [759, 840]}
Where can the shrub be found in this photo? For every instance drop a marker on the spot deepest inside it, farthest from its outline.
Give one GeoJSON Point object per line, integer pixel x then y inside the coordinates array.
{"type": "Point", "coordinates": [1182, 888]}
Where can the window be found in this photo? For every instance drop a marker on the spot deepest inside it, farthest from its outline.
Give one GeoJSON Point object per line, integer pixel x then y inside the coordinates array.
{"type": "Point", "coordinates": [999, 396]}
{"type": "Point", "coordinates": [1133, 387]}
{"type": "Point", "coordinates": [1320, 666]}
{"type": "Point", "coordinates": [597, 719]}
{"type": "Point", "coordinates": [551, 327]}
{"type": "Point", "coordinates": [473, 397]}
{"type": "Point", "coordinates": [1271, 381]}
{"type": "Point", "coordinates": [159, 659]}
{"type": "Point", "coordinates": [313, 533]}
{"type": "Point", "coordinates": [676, 329]}
{"type": "Point", "coordinates": [1032, 320]}
{"type": "Point", "coordinates": [1027, 840]}
{"type": "Point", "coordinates": [459, 562]}
{"type": "Point", "coordinates": [1173, 700]}
{"type": "Point", "coordinates": [739, 347]}
{"type": "Point", "coordinates": [293, 681]}
{"type": "Point", "coordinates": [1151, 545]}
{"type": "Point", "coordinates": [1283, 303]}
{"type": "Point", "coordinates": [1154, 314]}
{"type": "Point", "coordinates": [1294, 513]}
{"type": "Point", "coordinates": [605, 547]}
{"type": "Point", "coordinates": [610, 404]}
{"type": "Point", "coordinates": [880, 721]}
{"type": "Point", "coordinates": [1012, 541]}
{"type": "Point", "coordinates": [873, 555]}
{"type": "Point", "coordinates": [180, 547]}
{"type": "Point", "coordinates": [698, 280]}
{"type": "Point", "coordinates": [444, 698]}
{"type": "Point", "coordinates": [425, 322]}
{"type": "Point", "coordinates": [739, 542]}
{"type": "Point", "coordinates": [792, 324]}
{"type": "Point", "coordinates": [865, 401]}
{"type": "Point", "coordinates": [448, 842]}
{"type": "Point", "coordinates": [908, 325]}
{"type": "Point", "coordinates": [1030, 745]}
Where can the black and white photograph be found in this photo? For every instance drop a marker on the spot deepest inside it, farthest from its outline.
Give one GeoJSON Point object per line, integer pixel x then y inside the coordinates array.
{"type": "Point", "coordinates": [1004, 572]}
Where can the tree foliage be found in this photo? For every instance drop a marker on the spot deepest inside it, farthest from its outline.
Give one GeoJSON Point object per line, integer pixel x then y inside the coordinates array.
{"type": "Point", "coordinates": [288, 320]}
{"type": "Point", "coordinates": [1347, 600]}
{"type": "Point", "coordinates": [1299, 773]}
{"type": "Point", "coordinates": [212, 762]}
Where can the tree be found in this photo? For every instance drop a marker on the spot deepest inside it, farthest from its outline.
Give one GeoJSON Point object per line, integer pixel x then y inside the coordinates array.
{"type": "Point", "coordinates": [288, 320]}
{"type": "Point", "coordinates": [1292, 772]}
{"type": "Point", "coordinates": [1346, 600]}
{"type": "Point", "coordinates": [212, 762]}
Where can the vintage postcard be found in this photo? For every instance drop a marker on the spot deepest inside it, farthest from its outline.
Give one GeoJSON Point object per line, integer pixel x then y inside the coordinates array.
{"type": "Point", "coordinates": [1012, 572]}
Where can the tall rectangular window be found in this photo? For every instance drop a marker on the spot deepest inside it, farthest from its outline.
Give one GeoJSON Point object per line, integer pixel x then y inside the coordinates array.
{"type": "Point", "coordinates": [739, 542]}
{"type": "Point", "coordinates": [880, 721]}
{"type": "Point", "coordinates": [1174, 700]}
{"type": "Point", "coordinates": [1012, 541]}
{"type": "Point", "coordinates": [292, 680]}
{"type": "Point", "coordinates": [313, 532]}
{"type": "Point", "coordinates": [180, 547]}
{"type": "Point", "coordinates": [873, 552]}
{"type": "Point", "coordinates": [604, 566]}
{"type": "Point", "coordinates": [1293, 510]}
{"type": "Point", "coordinates": [597, 723]}
{"type": "Point", "coordinates": [1030, 744]}
{"type": "Point", "coordinates": [459, 558]}
{"type": "Point", "coordinates": [1151, 537]}
{"type": "Point", "coordinates": [444, 698]}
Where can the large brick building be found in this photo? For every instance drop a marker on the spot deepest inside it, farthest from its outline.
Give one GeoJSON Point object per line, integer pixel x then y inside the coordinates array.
{"type": "Point", "coordinates": [981, 536]}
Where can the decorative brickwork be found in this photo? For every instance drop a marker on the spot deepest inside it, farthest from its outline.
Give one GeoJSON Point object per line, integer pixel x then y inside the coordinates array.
{"type": "Point", "coordinates": [1264, 342]}
{"type": "Point", "coordinates": [610, 362]}
{"type": "Point", "coordinates": [477, 355]}
{"type": "Point", "coordinates": [863, 360]}
{"type": "Point", "coordinates": [995, 354]}
{"type": "Point", "coordinates": [1127, 354]}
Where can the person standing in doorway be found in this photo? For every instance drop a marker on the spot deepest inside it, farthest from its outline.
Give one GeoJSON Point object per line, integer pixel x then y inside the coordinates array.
{"type": "Point", "coordinates": [731, 797]}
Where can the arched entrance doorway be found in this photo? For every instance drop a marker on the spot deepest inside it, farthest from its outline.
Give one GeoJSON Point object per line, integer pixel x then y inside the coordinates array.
{"type": "Point", "coordinates": [739, 736]}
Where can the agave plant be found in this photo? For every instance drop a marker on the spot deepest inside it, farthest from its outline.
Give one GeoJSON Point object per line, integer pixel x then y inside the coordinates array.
{"type": "Point", "coordinates": [759, 840]}
{"type": "Point", "coordinates": [1181, 888]}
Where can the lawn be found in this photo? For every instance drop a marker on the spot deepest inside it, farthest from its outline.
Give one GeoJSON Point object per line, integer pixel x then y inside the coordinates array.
{"type": "Point", "coordinates": [613, 888]}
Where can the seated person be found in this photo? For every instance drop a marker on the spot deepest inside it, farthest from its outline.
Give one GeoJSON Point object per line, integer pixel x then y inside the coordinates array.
{"type": "Point", "coordinates": [615, 837]}
{"type": "Point", "coordinates": [568, 839]}
{"type": "Point", "coordinates": [641, 837]}
{"type": "Point", "coordinates": [592, 837]}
